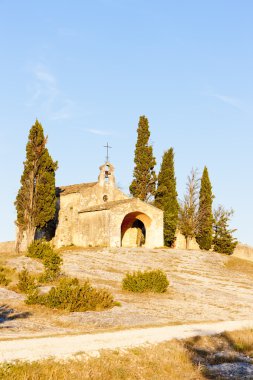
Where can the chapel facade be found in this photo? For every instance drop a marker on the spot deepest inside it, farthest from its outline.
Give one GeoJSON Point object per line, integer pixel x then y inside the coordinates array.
{"type": "Point", "coordinates": [98, 214]}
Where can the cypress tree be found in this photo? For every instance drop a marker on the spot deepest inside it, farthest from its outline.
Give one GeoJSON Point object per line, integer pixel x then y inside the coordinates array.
{"type": "Point", "coordinates": [205, 231]}
{"type": "Point", "coordinates": [166, 196]}
{"type": "Point", "coordinates": [143, 185]}
{"type": "Point", "coordinates": [36, 201]}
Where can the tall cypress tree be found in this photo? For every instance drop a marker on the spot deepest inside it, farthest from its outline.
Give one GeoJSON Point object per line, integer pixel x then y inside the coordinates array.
{"type": "Point", "coordinates": [143, 185]}
{"type": "Point", "coordinates": [36, 200]}
{"type": "Point", "coordinates": [205, 231]}
{"type": "Point", "coordinates": [166, 196]}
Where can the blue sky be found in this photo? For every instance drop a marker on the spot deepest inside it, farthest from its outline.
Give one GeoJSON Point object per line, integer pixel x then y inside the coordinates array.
{"type": "Point", "coordinates": [88, 69]}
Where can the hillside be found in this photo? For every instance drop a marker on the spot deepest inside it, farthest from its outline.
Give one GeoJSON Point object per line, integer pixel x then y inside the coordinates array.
{"type": "Point", "coordinates": [204, 286]}
{"type": "Point", "coordinates": [244, 251]}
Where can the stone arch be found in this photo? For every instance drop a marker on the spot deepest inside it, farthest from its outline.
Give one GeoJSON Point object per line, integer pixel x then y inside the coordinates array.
{"type": "Point", "coordinates": [135, 229]}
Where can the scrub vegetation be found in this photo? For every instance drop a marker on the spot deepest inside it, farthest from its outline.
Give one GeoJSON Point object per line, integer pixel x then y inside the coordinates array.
{"type": "Point", "coordinates": [149, 281]}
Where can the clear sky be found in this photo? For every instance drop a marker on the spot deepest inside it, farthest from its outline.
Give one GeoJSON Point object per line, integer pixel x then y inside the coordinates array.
{"type": "Point", "coordinates": [88, 69]}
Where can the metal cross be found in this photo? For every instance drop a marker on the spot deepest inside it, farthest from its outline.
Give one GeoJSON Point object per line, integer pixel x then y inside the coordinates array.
{"type": "Point", "coordinates": [107, 151]}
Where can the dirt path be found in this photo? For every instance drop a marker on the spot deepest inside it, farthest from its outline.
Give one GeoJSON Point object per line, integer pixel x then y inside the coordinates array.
{"type": "Point", "coordinates": [68, 346]}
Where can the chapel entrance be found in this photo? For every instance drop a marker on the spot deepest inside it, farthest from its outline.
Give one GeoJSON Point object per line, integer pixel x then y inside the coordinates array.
{"type": "Point", "coordinates": [134, 229]}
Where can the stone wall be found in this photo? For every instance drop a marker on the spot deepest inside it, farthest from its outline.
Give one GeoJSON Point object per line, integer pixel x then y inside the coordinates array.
{"type": "Point", "coordinates": [180, 242]}
{"type": "Point", "coordinates": [151, 216]}
{"type": "Point", "coordinates": [92, 229]}
{"type": "Point", "coordinates": [242, 251]}
{"type": "Point", "coordinates": [130, 238]}
{"type": "Point", "coordinates": [67, 219]}
{"type": "Point", "coordinates": [71, 224]}
{"type": "Point", "coordinates": [91, 214]}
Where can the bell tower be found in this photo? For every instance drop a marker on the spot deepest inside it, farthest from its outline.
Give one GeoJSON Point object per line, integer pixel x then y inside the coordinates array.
{"type": "Point", "coordinates": [106, 177]}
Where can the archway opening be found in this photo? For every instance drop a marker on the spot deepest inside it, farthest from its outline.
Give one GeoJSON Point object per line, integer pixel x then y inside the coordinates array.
{"type": "Point", "coordinates": [134, 229]}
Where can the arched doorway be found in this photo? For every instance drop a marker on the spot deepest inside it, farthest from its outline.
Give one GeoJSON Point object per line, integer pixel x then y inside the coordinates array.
{"type": "Point", "coordinates": [134, 229]}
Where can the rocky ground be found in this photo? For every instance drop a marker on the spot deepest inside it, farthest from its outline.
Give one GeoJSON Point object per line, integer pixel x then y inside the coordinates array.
{"type": "Point", "coordinates": [203, 287]}
{"type": "Point", "coordinates": [219, 358]}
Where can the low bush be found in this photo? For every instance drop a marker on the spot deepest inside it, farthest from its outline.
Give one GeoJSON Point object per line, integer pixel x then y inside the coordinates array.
{"type": "Point", "coordinates": [70, 295]}
{"type": "Point", "coordinates": [41, 249]}
{"type": "Point", "coordinates": [26, 282]}
{"type": "Point", "coordinates": [52, 264]}
{"type": "Point", "coordinates": [148, 281]}
{"type": "Point", "coordinates": [3, 279]}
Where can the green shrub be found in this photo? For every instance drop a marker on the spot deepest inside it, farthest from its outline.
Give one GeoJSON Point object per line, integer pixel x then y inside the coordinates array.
{"type": "Point", "coordinates": [69, 294]}
{"type": "Point", "coordinates": [41, 249]}
{"type": "Point", "coordinates": [26, 282]}
{"type": "Point", "coordinates": [3, 280]}
{"type": "Point", "coordinates": [153, 281]}
{"type": "Point", "coordinates": [38, 249]}
{"type": "Point", "coordinates": [33, 297]}
{"type": "Point", "coordinates": [52, 264]}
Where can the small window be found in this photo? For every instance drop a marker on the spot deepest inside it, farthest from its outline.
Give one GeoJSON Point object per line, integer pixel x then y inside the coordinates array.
{"type": "Point", "coordinates": [105, 198]}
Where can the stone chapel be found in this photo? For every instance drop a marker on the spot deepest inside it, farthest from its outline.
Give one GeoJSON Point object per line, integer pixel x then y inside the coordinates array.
{"type": "Point", "coordinates": [98, 214]}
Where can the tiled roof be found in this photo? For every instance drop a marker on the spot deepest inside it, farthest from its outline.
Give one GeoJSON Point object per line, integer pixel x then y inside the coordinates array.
{"type": "Point", "coordinates": [106, 205]}
{"type": "Point", "coordinates": [65, 190]}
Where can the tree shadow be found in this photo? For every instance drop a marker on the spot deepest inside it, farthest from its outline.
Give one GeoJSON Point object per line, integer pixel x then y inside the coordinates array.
{"type": "Point", "coordinates": [8, 314]}
{"type": "Point", "coordinates": [218, 358]}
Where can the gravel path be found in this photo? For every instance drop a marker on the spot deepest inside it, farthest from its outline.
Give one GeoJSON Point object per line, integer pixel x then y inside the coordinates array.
{"type": "Point", "coordinates": [64, 347]}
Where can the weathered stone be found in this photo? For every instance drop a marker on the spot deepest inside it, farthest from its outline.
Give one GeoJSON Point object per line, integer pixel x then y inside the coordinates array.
{"type": "Point", "coordinates": [98, 214]}
{"type": "Point", "coordinates": [180, 242]}
{"type": "Point", "coordinates": [23, 262]}
{"type": "Point", "coordinates": [233, 371]}
{"type": "Point", "coordinates": [6, 294]}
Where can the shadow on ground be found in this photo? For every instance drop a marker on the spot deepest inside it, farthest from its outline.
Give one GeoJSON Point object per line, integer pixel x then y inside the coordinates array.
{"type": "Point", "coordinates": [219, 359]}
{"type": "Point", "coordinates": [8, 314]}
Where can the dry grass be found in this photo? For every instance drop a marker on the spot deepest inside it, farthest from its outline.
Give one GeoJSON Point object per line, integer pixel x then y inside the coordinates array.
{"type": "Point", "coordinates": [38, 311]}
{"type": "Point", "coordinates": [4, 256]}
{"type": "Point", "coordinates": [171, 360]}
{"type": "Point", "coordinates": [239, 265]}
{"type": "Point", "coordinates": [175, 360]}
{"type": "Point", "coordinates": [164, 361]}
{"type": "Point", "coordinates": [241, 340]}
{"type": "Point", "coordinates": [7, 247]}
{"type": "Point", "coordinates": [230, 343]}
{"type": "Point", "coordinates": [207, 344]}
{"type": "Point", "coordinates": [10, 273]}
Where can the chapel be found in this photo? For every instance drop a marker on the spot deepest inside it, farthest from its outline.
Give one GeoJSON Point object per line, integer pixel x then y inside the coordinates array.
{"type": "Point", "coordinates": [98, 214]}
